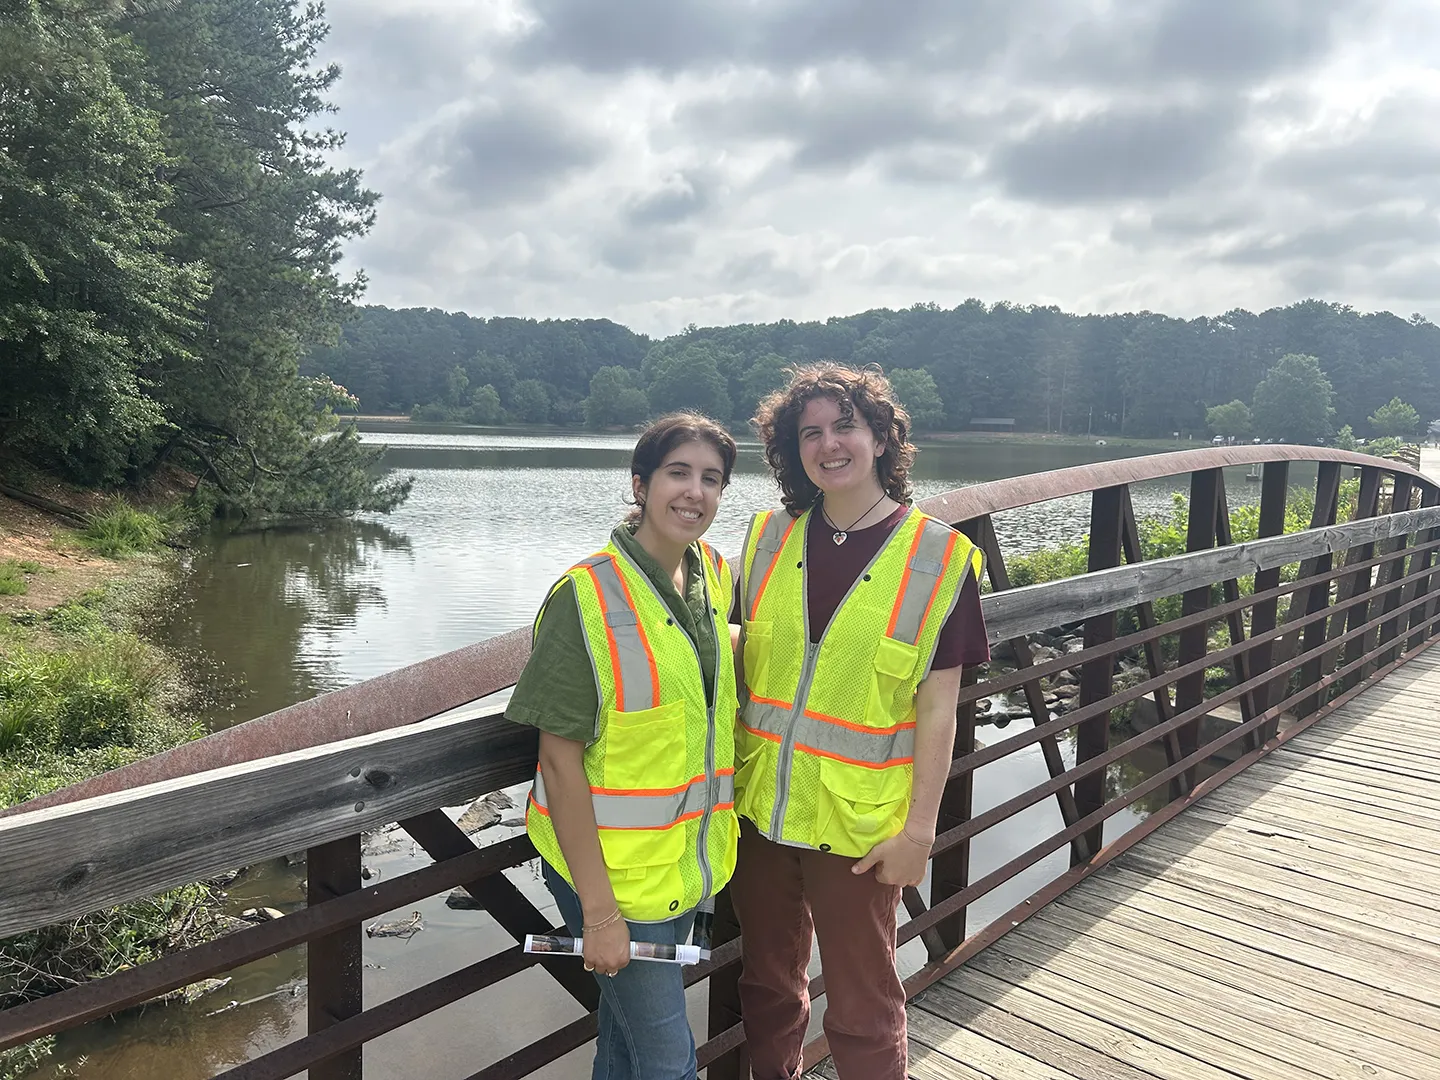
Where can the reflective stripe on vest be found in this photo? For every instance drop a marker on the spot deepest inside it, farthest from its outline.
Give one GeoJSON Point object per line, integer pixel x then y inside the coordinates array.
{"type": "Point", "coordinates": [774, 531]}
{"type": "Point", "coordinates": [652, 810]}
{"type": "Point", "coordinates": [637, 681]}
{"type": "Point", "coordinates": [933, 545]}
{"type": "Point", "coordinates": [831, 737]}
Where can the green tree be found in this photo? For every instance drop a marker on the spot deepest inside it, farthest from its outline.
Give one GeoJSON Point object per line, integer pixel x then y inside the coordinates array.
{"type": "Point", "coordinates": [254, 200]}
{"type": "Point", "coordinates": [457, 386]}
{"type": "Point", "coordinates": [1395, 419]}
{"type": "Point", "coordinates": [1345, 439]}
{"type": "Point", "coordinates": [91, 297]}
{"type": "Point", "coordinates": [530, 402]}
{"type": "Point", "coordinates": [689, 378]}
{"type": "Point", "coordinates": [1293, 401]}
{"type": "Point", "coordinates": [1231, 420]}
{"type": "Point", "coordinates": [917, 391]}
{"type": "Point", "coordinates": [615, 399]}
{"type": "Point", "coordinates": [485, 406]}
{"type": "Point", "coordinates": [767, 373]}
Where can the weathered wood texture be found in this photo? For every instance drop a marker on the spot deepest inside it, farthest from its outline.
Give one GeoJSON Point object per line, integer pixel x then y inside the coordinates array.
{"type": "Point", "coordinates": [1026, 610]}
{"type": "Point", "coordinates": [70, 859]}
{"type": "Point", "coordinates": [1282, 928]}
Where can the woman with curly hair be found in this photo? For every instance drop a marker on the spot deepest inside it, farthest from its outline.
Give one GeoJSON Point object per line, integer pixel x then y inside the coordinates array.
{"type": "Point", "coordinates": [857, 612]}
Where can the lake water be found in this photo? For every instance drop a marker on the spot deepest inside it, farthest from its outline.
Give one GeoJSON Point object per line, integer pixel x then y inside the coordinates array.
{"type": "Point", "coordinates": [279, 616]}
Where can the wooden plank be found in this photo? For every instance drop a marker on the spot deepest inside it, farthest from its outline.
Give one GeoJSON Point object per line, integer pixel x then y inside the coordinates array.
{"type": "Point", "coordinates": [1228, 1042]}
{"type": "Point", "coordinates": [1242, 1015]}
{"type": "Point", "coordinates": [1293, 838]}
{"type": "Point", "coordinates": [1359, 832]}
{"type": "Point", "coordinates": [1041, 1044]}
{"type": "Point", "coordinates": [976, 1051]}
{"type": "Point", "coordinates": [1305, 764]}
{"type": "Point", "coordinates": [1252, 863]}
{"type": "Point", "coordinates": [1424, 778]}
{"type": "Point", "coordinates": [1304, 988]}
{"type": "Point", "coordinates": [1284, 900]}
{"type": "Point", "coordinates": [334, 976]}
{"type": "Point", "coordinates": [1018, 612]}
{"type": "Point", "coordinates": [1290, 941]}
{"type": "Point", "coordinates": [70, 859]}
{"type": "Point", "coordinates": [1336, 790]}
{"type": "Point", "coordinates": [1365, 1001]}
{"type": "Point", "coordinates": [1073, 1020]}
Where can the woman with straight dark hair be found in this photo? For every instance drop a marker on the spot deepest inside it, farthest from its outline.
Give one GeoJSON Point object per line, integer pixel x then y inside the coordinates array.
{"type": "Point", "coordinates": [631, 681]}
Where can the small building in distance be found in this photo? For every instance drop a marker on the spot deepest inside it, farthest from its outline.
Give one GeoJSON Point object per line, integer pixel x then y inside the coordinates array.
{"type": "Point", "coordinates": [992, 423]}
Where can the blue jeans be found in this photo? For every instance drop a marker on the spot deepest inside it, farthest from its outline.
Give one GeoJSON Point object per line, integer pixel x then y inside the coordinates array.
{"type": "Point", "coordinates": [644, 1032]}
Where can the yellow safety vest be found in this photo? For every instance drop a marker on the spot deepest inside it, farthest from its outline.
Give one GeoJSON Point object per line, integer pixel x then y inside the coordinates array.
{"type": "Point", "coordinates": [827, 731]}
{"type": "Point", "coordinates": [662, 768]}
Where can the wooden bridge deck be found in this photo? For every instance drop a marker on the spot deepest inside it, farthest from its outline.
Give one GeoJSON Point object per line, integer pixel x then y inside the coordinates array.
{"type": "Point", "coordinates": [1284, 927]}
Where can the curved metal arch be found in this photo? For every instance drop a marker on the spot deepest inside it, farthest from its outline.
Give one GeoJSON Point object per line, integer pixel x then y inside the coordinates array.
{"type": "Point", "coordinates": [964, 504]}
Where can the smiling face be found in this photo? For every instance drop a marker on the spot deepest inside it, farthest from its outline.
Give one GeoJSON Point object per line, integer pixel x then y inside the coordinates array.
{"type": "Point", "coordinates": [838, 451]}
{"type": "Point", "coordinates": [682, 495]}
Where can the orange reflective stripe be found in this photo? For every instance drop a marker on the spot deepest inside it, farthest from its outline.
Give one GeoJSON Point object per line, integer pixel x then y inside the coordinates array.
{"type": "Point", "coordinates": [854, 761]}
{"type": "Point", "coordinates": [904, 581]}
{"type": "Point", "coordinates": [774, 559]}
{"type": "Point", "coordinates": [644, 641]}
{"type": "Point", "coordinates": [863, 728]}
{"type": "Point", "coordinates": [935, 589]}
{"type": "Point", "coordinates": [616, 674]}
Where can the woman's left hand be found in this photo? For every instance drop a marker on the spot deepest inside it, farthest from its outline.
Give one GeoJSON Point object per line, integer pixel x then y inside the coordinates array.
{"type": "Point", "coordinates": [897, 861]}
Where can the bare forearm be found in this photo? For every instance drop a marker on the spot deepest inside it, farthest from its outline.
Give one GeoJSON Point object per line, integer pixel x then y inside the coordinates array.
{"type": "Point", "coordinates": [934, 746]}
{"type": "Point", "coordinates": [572, 812]}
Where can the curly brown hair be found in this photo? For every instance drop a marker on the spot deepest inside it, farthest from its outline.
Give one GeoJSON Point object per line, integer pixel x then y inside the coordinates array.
{"type": "Point", "coordinates": [864, 390]}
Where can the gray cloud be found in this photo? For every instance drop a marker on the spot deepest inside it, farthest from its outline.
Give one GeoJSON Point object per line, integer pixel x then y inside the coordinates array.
{"type": "Point", "coordinates": [492, 152]}
{"type": "Point", "coordinates": [1380, 233]}
{"type": "Point", "coordinates": [683, 196]}
{"type": "Point", "coordinates": [1121, 154]}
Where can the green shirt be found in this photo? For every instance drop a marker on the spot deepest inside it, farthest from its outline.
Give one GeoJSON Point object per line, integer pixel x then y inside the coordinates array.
{"type": "Point", "coordinates": [557, 691]}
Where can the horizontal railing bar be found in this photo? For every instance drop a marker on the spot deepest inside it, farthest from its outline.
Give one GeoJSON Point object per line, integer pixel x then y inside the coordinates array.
{"type": "Point", "coordinates": [104, 997]}
{"type": "Point", "coordinates": [952, 905]}
{"type": "Point", "coordinates": [1027, 798]}
{"type": "Point", "coordinates": [1019, 677]}
{"type": "Point", "coordinates": [375, 1021]}
{"type": "Point", "coordinates": [541, 1052]}
{"type": "Point", "coordinates": [1013, 613]}
{"type": "Point", "coordinates": [67, 860]}
{"type": "Point", "coordinates": [995, 751]}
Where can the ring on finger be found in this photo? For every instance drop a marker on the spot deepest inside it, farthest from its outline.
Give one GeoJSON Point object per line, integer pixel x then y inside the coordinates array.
{"type": "Point", "coordinates": [610, 973]}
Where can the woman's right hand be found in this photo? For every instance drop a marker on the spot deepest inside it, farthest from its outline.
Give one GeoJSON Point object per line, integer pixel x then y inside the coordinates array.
{"type": "Point", "coordinates": [607, 950]}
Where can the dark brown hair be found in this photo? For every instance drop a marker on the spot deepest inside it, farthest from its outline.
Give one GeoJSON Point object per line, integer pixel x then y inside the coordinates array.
{"type": "Point", "coordinates": [665, 434]}
{"type": "Point", "coordinates": [865, 391]}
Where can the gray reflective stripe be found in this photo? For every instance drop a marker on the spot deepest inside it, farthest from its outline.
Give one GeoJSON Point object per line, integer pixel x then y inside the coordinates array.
{"type": "Point", "coordinates": [831, 739]}
{"type": "Point", "coordinates": [927, 567]}
{"type": "Point", "coordinates": [767, 551]}
{"type": "Point", "coordinates": [636, 689]}
{"type": "Point", "coordinates": [653, 811]}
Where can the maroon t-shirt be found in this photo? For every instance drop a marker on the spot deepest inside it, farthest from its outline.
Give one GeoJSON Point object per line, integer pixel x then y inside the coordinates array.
{"type": "Point", "coordinates": [833, 568]}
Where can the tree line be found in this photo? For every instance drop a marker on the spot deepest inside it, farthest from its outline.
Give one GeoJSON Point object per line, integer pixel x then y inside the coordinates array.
{"type": "Point", "coordinates": [1316, 367]}
{"type": "Point", "coordinates": [169, 234]}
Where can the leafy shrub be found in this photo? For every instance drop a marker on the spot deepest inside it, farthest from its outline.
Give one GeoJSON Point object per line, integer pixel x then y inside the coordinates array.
{"type": "Point", "coordinates": [1050, 564]}
{"type": "Point", "coordinates": [12, 579]}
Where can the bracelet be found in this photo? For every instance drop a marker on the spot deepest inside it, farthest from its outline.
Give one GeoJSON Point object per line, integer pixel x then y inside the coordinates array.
{"type": "Point", "coordinates": [911, 837]}
{"type": "Point", "coordinates": [603, 923]}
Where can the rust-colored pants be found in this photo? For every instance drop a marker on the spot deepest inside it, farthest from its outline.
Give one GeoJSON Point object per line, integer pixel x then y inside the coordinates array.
{"type": "Point", "coordinates": [780, 893]}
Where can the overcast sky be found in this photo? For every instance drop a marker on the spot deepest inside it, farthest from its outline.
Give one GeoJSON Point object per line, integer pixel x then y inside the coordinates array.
{"type": "Point", "coordinates": [660, 162]}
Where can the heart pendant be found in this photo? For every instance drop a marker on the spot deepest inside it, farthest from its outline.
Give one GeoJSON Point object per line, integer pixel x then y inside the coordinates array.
{"type": "Point", "coordinates": [839, 538]}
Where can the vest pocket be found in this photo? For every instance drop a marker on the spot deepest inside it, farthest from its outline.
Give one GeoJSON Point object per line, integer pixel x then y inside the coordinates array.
{"type": "Point", "coordinates": [646, 748]}
{"type": "Point", "coordinates": [859, 807]}
{"type": "Point", "coordinates": [644, 867]}
{"type": "Point", "coordinates": [894, 667]}
{"type": "Point", "coordinates": [759, 639]}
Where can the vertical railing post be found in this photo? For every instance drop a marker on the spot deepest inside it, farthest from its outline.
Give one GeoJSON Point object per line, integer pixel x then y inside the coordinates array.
{"type": "Point", "coordinates": [724, 988]}
{"type": "Point", "coordinates": [1107, 507]}
{"type": "Point", "coordinates": [1314, 598]}
{"type": "Point", "coordinates": [1353, 585]}
{"type": "Point", "coordinates": [1390, 594]}
{"type": "Point", "coordinates": [1205, 488]}
{"type": "Point", "coordinates": [333, 963]}
{"type": "Point", "coordinates": [1274, 495]}
{"type": "Point", "coordinates": [1419, 616]}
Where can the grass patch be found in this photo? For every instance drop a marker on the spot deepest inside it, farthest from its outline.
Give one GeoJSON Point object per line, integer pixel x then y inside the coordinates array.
{"type": "Point", "coordinates": [121, 531]}
{"type": "Point", "coordinates": [14, 574]}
